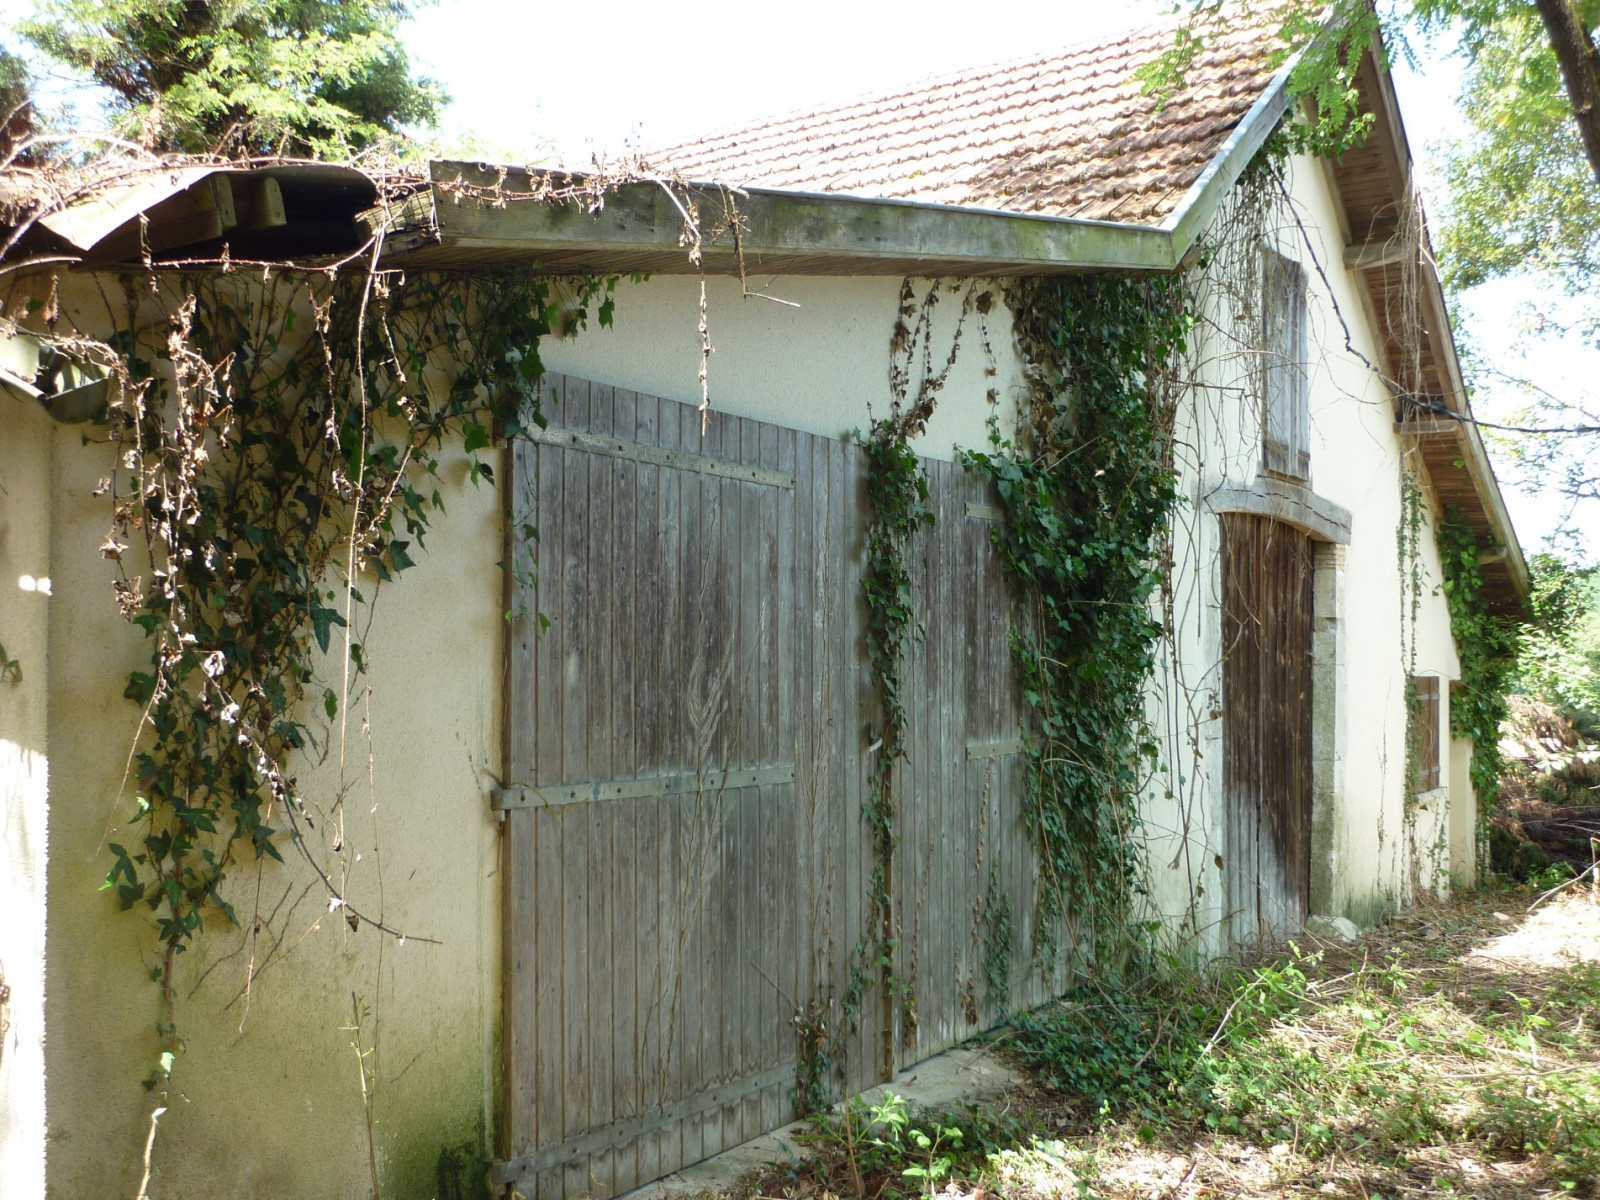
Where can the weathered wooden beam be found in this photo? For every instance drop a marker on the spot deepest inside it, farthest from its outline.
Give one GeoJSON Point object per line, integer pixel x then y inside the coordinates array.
{"type": "Point", "coordinates": [1429, 426]}
{"type": "Point", "coordinates": [610, 447]}
{"type": "Point", "coordinates": [1367, 256]}
{"type": "Point", "coordinates": [258, 203]}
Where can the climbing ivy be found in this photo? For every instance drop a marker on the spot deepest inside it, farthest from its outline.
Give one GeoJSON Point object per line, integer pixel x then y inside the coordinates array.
{"type": "Point", "coordinates": [1486, 647]}
{"type": "Point", "coordinates": [897, 500]}
{"type": "Point", "coordinates": [1087, 485]}
{"type": "Point", "coordinates": [281, 455]}
{"type": "Point", "coordinates": [897, 496]}
{"type": "Point", "coordinates": [1408, 547]}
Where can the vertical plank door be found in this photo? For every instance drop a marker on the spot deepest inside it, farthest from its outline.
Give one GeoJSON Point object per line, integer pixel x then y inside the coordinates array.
{"type": "Point", "coordinates": [1267, 577]}
{"type": "Point", "coordinates": [650, 800]}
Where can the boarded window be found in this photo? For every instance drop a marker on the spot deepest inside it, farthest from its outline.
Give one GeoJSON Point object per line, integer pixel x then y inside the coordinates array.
{"type": "Point", "coordinates": [1286, 383]}
{"type": "Point", "coordinates": [1425, 717]}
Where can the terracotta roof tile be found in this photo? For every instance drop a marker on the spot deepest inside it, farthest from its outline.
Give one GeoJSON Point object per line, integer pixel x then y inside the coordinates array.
{"type": "Point", "coordinates": [1069, 134]}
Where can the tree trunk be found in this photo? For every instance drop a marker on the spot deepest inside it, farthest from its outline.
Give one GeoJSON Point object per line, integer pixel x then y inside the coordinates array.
{"type": "Point", "coordinates": [1580, 70]}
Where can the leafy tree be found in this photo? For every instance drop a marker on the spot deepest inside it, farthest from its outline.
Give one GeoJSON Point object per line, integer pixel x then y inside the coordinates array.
{"type": "Point", "coordinates": [1558, 653]}
{"type": "Point", "coordinates": [13, 83]}
{"type": "Point", "coordinates": [317, 77]}
{"type": "Point", "coordinates": [1524, 199]}
{"type": "Point", "coordinates": [16, 108]}
{"type": "Point", "coordinates": [1524, 183]}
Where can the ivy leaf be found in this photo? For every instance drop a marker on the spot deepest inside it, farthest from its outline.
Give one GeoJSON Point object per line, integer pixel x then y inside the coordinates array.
{"type": "Point", "coordinates": [330, 703]}
{"type": "Point", "coordinates": [477, 437]}
{"type": "Point", "coordinates": [322, 621]}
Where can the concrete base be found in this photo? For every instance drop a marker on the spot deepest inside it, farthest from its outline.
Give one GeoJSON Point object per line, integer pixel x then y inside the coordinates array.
{"type": "Point", "coordinates": [957, 1076]}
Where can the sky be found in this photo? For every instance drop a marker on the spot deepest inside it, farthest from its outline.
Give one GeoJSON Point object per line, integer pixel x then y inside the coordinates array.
{"type": "Point", "coordinates": [531, 82]}
{"type": "Point", "coordinates": [594, 78]}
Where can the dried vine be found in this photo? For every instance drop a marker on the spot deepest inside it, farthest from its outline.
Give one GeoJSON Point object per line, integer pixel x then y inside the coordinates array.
{"type": "Point", "coordinates": [280, 456]}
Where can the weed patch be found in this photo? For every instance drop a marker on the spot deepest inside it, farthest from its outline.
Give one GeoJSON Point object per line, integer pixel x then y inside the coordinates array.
{"type": "Point", "coordinates": [1454, 1050]}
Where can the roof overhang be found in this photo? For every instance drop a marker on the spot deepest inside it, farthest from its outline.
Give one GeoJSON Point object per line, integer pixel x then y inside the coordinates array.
{"type": "Point", "coordinates": [474, 215]}
{"type": "Point", "coordinates": [1433, 414]}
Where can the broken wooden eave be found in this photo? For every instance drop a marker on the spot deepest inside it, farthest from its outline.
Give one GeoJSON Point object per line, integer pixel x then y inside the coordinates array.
{"type": "Point", "coordinates": [197, 212]}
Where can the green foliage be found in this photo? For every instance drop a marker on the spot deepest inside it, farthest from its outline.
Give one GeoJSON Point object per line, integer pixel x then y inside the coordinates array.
{"type": "Point", "coordinates": [1113, 1052]}
{"type": "Point", "coordinates": [1558, 653]}
{"type": "Point", "coordinates": [1523, 195]}
{"type": "Point", "coordinates": [817, 1061]}
{"type": "Point", "coordinates": [308, 77]}
{"type": "Point", "coordinates": [1513, 857]}
{"type": "Point", "coordinates": [1372, 1062]}
{"type": "Point", "coordinates": [281, 460]}
{"type": "Point", "coordinates": [897, 494]}
{"type": "Point", "coordinates": [1333, 41]}
{"type": "Point", "coordinates": [1408, 537]}
{"type": "Point", "coordinates": [997, 938]}
{"type": "Point", "coordinates": [15, 84]}
{"type": "Point", "coordinates": [1330, 42]}
{"type": "Point", "coordinates": [1485, 645]}
{"type": "Point", "coordinates": [1087, 489]}
{"type": "Point", "coordinates": [888, 1149]}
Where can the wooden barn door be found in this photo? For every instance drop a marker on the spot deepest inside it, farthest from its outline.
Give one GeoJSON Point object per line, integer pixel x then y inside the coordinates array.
{"type": "Point", "coordinates": [1267, 589]}
{"type": "Point", "coordinates": [652, 873]}
{"type": "Point", "coordinates": [690, 721]}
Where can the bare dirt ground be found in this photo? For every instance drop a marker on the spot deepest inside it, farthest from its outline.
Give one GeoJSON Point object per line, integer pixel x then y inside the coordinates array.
{"type": "Point", "coordinates": [1455, 1050]}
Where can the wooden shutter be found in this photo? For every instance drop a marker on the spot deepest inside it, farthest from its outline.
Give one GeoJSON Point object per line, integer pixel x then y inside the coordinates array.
{"type": "Point", "coordinates": [1425, 717]}
{"type": "Point", "coordinates": [1286, 389]}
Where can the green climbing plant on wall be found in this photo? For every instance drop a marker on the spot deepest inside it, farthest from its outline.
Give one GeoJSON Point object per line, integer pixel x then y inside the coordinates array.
{"type": "Point", "coordinates": [282, 447]}
{"type": "Point", "coordinates": [1087, 484]}
{"type": "Point", "coordinates": [1486, 646]}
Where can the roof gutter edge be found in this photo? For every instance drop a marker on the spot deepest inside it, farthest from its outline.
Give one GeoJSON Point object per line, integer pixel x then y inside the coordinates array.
{"type": "Point", "coordinates": [640, 217]}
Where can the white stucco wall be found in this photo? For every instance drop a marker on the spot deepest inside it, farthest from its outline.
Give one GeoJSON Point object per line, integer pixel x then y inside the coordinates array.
{"type": "Point", "coordinates": [821, 367]}
{"type": "Point", "coordinates": [24, 789]}
{"type": "Point", "coordinates": [269, 1097]}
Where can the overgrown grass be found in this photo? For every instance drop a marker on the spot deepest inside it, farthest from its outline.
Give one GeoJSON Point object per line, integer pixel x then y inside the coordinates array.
{"type": "Point", "coordinates": [1370, 1062]}
{"type": "Point", "coordinates": [1405, 1065]}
